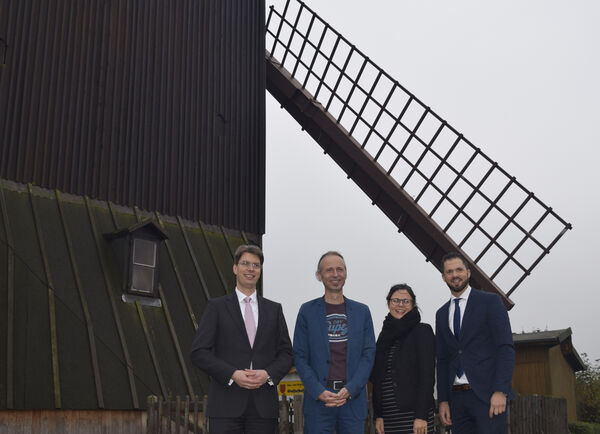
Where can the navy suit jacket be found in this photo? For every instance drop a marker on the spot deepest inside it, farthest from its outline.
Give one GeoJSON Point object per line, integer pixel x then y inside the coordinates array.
{"type": "Point", "coordinates": [221, 346]}
{"type": "Point", "coordinates": [485, 348]}
{"type": "Point", "coordinates": [311, 353]}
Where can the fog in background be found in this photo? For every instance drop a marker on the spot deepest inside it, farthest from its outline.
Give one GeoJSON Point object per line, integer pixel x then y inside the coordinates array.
{"type": "Point", "coordinates": [518, 79]}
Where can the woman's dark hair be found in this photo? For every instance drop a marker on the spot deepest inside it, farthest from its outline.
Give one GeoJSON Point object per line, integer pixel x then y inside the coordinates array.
{"type": "Point", "coordinates": [405, 287]}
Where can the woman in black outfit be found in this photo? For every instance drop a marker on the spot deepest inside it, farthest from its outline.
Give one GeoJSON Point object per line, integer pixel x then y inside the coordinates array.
{"type": "Point", "coordinates": [403, 374]}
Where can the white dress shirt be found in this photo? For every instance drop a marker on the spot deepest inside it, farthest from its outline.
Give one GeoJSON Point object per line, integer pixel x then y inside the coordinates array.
{"type": "Point", "coordinates": [254, 305]}
{"type": "Point", "coordinates": [464, 298]}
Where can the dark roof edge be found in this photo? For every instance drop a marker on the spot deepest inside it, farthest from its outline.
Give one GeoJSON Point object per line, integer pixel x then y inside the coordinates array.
{"type": "Point", "coordinates": [545, 338]}
{"type": "Point", "coordinates": [552, 338]}
{"type": "Point", "coordinates": [146, 215]}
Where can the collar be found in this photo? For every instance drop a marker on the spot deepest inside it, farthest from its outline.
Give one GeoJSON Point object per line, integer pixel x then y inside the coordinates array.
{"type": "Point", "coordinates": [463, 296]}
{"type": "Point", "coordinates": [241, 296]}
{"type": "Point", "coordinates": [325, 302]}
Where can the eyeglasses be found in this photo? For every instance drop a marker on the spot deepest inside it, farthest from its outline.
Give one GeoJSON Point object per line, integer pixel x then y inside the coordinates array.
{"type": "Point", "coordinates": [398, 301]}
{"type": "Point", "coordinates": [254, 265]}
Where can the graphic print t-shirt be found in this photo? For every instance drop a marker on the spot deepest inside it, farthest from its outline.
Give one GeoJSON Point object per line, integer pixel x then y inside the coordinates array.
{"type": "Point", "coordinates": [337, 331]}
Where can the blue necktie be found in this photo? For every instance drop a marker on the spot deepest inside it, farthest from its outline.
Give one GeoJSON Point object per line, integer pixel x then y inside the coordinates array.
{"type": "Point", "coordinates": [459, 370]}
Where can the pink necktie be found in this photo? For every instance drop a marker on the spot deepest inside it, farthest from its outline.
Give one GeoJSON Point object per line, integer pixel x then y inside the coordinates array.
{"type": "Point", "coordinates": [249, 321]}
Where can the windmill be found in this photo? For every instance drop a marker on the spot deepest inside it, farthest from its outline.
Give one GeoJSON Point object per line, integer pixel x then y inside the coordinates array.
{"type": "Point", "coordinates": [438, 188]}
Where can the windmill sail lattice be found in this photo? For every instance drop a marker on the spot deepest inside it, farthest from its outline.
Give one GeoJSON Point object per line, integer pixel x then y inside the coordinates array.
{"type": "Point", "coordinates": [438, 188]}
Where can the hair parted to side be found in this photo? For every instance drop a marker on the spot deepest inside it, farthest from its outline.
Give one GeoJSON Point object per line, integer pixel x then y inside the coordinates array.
{"type": "Point", "coordinates": [329, 253]}
{"type": "Point", "coordinates": [454, 255]}
{"type": "Point", "coordinates": [399, 287]}
{"type": "Point", "coordinates": [248, 248]}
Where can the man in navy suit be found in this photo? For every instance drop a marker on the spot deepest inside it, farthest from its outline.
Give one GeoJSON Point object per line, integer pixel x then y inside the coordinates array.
{"type": "Point", "coordinates": [243, 344]}
{"type": "Point", "coordinates": [475, 355]}
{"type": "Point", "coordinates": [334, 351]}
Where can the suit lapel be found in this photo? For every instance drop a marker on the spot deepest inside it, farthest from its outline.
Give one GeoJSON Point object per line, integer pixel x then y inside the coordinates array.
{"type": "Point", "coordinates": [261, 317]}
{"type": "Point", "coordinates": [349, 322]}
{"type": "Point", "coordinates": [470, 312]}
{"type": "Point", "coordinates": [233, 306]}
{"type": "Point", "coordinates": [322, 316]}
{"type": "Point", "coordinates": [445, 318]}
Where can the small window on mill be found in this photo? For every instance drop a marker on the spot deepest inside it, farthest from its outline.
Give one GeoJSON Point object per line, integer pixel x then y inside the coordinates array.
{"type": "Point", "coordinates": [144, 266]}
{"type": "Point", "coordinates": [137, 248]}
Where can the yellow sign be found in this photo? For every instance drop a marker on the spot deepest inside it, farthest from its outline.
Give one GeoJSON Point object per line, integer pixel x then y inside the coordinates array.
{"type": "Point", "coordinates": [291, 388]}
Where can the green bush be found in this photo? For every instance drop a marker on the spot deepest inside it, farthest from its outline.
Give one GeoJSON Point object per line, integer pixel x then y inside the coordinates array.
{"type": "Point", "coordinates": [584, 428]}
{"type": "Point", "coordinates": [587, 391]}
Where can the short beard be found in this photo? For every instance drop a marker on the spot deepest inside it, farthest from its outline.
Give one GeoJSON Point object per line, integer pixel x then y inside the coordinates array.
{"type": "Point", "coordinates": [457, 290]}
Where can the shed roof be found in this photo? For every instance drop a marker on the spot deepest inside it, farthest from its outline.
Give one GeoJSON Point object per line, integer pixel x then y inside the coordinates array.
{"type": "Point", "coordinates": [550, 338]}
{"type": "Point", "coordinates": [71, 341]}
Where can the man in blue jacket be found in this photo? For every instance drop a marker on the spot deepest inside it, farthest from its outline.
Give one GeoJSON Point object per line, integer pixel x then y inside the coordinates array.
{"type": "Point", "coordinates": [475, 354]}
{"type": "Point", "coordinates": [334, 350]}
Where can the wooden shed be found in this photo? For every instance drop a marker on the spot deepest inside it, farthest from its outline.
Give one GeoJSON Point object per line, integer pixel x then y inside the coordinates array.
{"type": "Point", "coordinates": [546, 362]}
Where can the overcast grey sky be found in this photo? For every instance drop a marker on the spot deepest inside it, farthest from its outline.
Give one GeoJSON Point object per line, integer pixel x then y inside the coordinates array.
{"type": "Point", "coordinates": [518, 79]}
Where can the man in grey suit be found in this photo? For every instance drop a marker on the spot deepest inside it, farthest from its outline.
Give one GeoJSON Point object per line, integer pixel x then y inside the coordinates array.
{"type": "Point", "coordinates": [243, 344]}
{"type": "Point", "coordinates": [475, 354]}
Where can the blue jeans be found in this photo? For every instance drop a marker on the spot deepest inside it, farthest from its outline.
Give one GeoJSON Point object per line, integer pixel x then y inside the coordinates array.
{"type": "Point", "coordinates": [328, 420]}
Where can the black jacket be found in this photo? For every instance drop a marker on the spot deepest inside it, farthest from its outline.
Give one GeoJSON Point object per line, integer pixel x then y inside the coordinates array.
{"type": "Point", "coordinates": [221, 346]}
{"type": "Point", "coordinates": [413, 367]}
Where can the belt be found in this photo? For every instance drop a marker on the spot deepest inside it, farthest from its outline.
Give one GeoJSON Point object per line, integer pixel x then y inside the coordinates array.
{"type": "Point", "coordinates": [461, 387]}
{"type": "Point", "coordinates": [335, 384]}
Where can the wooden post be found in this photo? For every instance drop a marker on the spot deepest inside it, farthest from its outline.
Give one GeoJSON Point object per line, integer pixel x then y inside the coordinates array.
{"type": "Point", "coordinates": [186, 414]}
{"type": "Point", "coordinates": [160, 415]}
{"type": "Point", "coordinates": [298, 414]}
{"type": "Point", "coordinates": [284, 415]}
{"type": "Point", "coordinates": [169, 405]}
{"type": "Point", "coordinates": [151, 412]}
{"type": "Point", "coordinates": [196, 420]}
{"type": "Point", "coordinates": [177, 414]}
{"type": "Point", "coordinates": [204, 416]}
